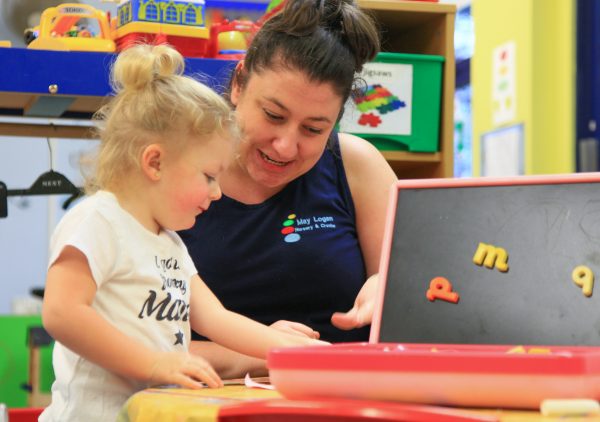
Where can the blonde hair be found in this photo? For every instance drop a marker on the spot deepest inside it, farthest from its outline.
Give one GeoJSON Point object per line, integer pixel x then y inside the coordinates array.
{"type": "Point", "coordinates": [154, 103]}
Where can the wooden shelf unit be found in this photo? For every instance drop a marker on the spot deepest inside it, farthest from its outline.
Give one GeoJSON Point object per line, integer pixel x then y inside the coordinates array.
{"type": "Point", "coordinates": [413, 27]}
{"type": "Point", "coordinates": [417, 27]}
{"type": "Point", "coordinates": [66, 88]}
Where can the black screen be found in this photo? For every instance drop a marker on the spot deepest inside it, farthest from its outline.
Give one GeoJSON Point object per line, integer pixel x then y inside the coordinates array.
{"type": "Point", "coordinates": [547, 231]}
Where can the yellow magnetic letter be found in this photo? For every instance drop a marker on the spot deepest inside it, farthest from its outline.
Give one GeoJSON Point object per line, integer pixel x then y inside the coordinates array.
{"type": "Point", "coordinates": [490, 256]}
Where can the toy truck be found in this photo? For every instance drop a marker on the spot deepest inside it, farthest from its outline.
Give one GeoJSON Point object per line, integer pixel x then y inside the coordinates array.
{"type": "Point", "coordinates": [72, 27]}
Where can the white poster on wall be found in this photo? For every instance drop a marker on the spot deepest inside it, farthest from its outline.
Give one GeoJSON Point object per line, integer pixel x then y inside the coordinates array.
{"type": "Point", "coordinates": [502, 152]}
{"type": "Point", "coordinates": [504, 91]}
{"type": "Point", "coordinates": [385, 108]}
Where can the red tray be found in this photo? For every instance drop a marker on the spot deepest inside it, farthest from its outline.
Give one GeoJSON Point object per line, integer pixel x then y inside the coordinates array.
{"type": "Point", "coordinates": [457, 375]}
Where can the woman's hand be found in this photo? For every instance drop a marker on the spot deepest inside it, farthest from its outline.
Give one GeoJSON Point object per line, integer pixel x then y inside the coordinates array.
{"type": "Point", "coordinates": [183, 369]}
{"type": "Point", "coordinates": [295, 328]}
{"type": "Point", "coordinates": [361, 313]}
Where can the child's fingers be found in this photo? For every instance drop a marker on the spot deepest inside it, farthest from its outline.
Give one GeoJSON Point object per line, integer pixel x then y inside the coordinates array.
{"type": "Point", "coordinates": [185, 370]}
{"type": "Point", "coordinates": [296, 340]}
{"type": "Point", "coordinates": [315, 342]}
{"type": "Point", "coordinates": [201, 370]}
{"type": "Point", "coordinates": [295, 328]}
{"type": "Point", "coordinates": [186, 382]}
{"type": "Point", "coordinates": [304, 330]}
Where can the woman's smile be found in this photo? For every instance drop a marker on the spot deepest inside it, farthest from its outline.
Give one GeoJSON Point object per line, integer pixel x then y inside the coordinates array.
{"type": "Point", "coordinates": [270, 160]}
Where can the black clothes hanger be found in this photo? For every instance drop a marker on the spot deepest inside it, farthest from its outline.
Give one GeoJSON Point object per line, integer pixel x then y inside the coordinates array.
{"type": "Point", "coordinates": [48, 183]}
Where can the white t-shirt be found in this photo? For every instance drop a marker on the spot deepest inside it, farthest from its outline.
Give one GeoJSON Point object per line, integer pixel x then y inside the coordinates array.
{"type": "Point", "coordinates": [143, 289]}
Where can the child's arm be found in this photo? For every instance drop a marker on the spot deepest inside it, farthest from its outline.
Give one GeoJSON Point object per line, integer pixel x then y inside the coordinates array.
{"type": "Point", "coordinates": [234, 331]}
{"type": "Point", "coordinates": [68, 316]}
{"type": "Point", "coordinates": [228, 363]}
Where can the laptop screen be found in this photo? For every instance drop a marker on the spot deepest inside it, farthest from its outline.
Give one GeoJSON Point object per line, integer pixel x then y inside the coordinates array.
{"type": "Point", "coordinates": [492, 261]}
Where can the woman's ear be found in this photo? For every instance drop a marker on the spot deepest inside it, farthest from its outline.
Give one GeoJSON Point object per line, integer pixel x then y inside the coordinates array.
{"type": "Point", "coordinates": [151, 161]}
{"type": "Point", "coordinates": [236, 88]}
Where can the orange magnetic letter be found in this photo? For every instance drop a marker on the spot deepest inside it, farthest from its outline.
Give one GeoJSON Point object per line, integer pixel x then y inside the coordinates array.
{"type": "Point", "coordinates": [441, 288]}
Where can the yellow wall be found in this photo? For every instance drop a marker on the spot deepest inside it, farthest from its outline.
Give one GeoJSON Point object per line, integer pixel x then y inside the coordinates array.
{"type": "Point", "coordinates": [544, 36]}
{"type": "Point", "coordinates": [554, 87]}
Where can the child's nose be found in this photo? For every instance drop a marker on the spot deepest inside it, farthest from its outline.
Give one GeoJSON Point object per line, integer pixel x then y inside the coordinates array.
{"type": "Point", "coordinates": [216, 193]}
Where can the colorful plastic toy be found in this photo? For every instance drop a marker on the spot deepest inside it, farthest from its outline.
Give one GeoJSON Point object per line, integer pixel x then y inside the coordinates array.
{"type": "Point", "coordinates": [179, 23]}
{"type": "Point", "coordinates": [67, 27]}
{"type": "Point", "coordinates": [229, 40]}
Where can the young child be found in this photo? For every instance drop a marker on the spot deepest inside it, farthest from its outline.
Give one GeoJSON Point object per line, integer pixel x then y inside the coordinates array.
{"type": "Point", "coordinates": [121, 290]}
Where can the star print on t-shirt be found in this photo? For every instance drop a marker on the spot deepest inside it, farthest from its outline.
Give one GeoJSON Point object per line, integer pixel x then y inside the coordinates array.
{"type": "Point", "coordinates": [178, 338]}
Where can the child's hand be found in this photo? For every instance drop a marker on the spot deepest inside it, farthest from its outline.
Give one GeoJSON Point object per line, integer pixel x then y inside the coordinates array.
{"type": "Point", "coordinates": [295, 340]}
{"type": "Point", "coordinates": [297, 334]}
{"type": "Point", "coordinates": [183, 369]}
{"type": "Point", "coordinates": [295, 328]}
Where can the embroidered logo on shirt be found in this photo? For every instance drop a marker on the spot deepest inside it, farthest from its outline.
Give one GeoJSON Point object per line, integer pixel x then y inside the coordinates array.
{"type": "Point", "coordinates": [289, 231]}
{"type": "Point", "coordinates": [293, 226]}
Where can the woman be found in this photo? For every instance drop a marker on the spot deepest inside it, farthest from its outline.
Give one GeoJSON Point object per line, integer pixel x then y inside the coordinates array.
{"type": "Point", "coordinates": [300, 224]}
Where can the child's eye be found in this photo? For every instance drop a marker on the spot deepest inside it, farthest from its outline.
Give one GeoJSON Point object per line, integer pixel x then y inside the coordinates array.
{"type": "Point", "coordinates": [210, 178]}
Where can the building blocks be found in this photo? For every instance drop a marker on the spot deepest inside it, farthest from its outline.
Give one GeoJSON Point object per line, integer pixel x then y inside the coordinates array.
{"type": "Point", "coordinates": [179, 23]}
{"type": "Point", "coordinates": [162, 11]}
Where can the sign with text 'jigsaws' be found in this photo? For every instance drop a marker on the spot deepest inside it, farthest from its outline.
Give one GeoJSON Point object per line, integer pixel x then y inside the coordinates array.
{"type": "Point", "coordinates": [385, 106]}
{"type": "Point", "coordinates": [397, 105]}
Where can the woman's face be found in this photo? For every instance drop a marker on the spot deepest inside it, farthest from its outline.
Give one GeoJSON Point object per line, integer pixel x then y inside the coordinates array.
{"type": "Point", "coordinates": [286, 121]}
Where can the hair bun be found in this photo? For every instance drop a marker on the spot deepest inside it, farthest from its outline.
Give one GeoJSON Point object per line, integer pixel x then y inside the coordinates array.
{"type": "Point", "coordinates": [140, 65]}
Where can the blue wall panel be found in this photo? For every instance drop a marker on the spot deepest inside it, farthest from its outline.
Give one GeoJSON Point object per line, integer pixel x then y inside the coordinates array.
{"type": "Point", "coordinates": [588, 85]}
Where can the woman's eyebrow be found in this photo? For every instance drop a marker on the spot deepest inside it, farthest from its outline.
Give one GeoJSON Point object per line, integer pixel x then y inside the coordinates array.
{"type": "Point", "coordinates": [312, 118]}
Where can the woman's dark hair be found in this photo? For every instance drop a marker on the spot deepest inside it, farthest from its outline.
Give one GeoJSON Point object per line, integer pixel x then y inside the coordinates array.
{"type": "Point", "coordinates": [328, 40]}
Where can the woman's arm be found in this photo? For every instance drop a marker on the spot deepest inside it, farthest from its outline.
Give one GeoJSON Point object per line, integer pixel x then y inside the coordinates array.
{"type": "Point", "coordinates": [370, 178]}
{"type": "Point", "coordinates": [70, 319]}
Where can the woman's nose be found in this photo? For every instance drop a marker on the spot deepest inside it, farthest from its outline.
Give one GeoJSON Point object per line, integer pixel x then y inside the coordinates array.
{"type": "Point", "coordinates": [286, 145]}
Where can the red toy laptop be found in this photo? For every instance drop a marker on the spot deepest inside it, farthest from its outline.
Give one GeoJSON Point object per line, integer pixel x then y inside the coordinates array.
{"type": "Point", "coordinates": [487, 299]}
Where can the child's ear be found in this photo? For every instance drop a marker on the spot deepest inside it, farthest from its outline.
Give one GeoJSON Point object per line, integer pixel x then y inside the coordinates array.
{"type": "Point", "coordinates": [152, 157]}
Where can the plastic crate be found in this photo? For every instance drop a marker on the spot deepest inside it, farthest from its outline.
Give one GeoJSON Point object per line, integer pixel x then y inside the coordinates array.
{"type": "Point", "coordinates": [27, 414]}
{"type": "Point", "coordinates": [400, 109]}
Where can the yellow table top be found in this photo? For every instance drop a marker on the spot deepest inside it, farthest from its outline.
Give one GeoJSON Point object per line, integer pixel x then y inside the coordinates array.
{"type": "Point", "coordinates": [181, 405]}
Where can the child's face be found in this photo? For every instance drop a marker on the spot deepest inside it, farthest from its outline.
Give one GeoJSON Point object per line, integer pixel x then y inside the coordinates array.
{"type": "Point", "coordinates": [191, 181]}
